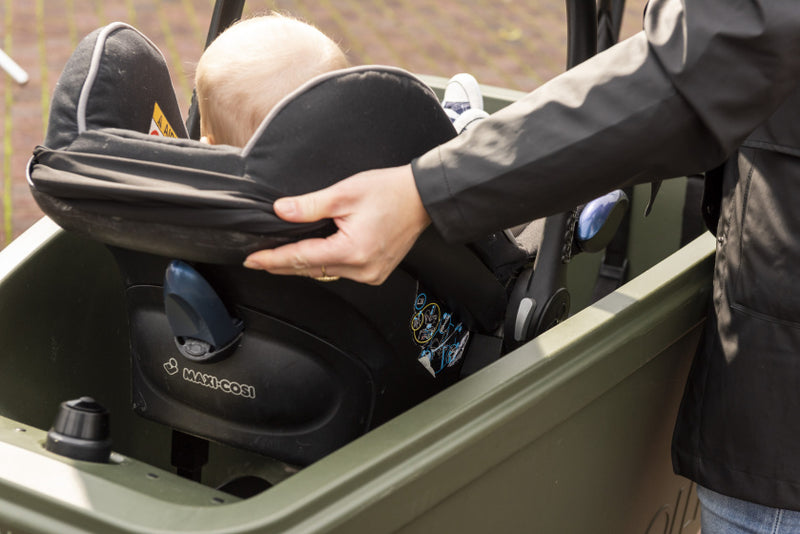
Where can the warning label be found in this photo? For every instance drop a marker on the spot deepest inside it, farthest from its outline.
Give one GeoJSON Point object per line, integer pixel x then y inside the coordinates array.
{"type": "Point", "coordinates": [159, 125]}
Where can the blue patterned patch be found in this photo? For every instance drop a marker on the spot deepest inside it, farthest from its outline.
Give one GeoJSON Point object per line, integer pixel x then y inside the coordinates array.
{"type": "Point", "coordinates": [442, 340]}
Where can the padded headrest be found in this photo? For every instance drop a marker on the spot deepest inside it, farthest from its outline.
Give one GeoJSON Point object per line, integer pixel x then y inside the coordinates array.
{"type": "Point", "coordinates": [102, 174]}
{"type": "Point", "coordinates": [115, 78]}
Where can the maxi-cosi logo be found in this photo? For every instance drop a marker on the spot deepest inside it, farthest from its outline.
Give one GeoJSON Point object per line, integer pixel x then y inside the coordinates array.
{"type": "Point", "coordinates": [210, 381]}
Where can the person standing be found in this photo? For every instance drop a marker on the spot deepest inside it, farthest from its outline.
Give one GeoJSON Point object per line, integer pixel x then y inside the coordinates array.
{"type": "Point", "coordinates": [707, 84]}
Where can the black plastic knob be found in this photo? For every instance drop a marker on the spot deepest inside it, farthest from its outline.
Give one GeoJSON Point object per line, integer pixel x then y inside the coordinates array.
{"type": "Point", "coordinates": [81, 431]}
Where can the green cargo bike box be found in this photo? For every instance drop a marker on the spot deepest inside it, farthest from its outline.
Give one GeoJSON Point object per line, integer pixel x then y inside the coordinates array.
{"type": "Point", "coordinates": [150, 385]}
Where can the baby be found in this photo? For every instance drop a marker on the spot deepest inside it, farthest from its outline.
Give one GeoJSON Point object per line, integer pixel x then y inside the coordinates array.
{"type": "Point", "coordinates": [251, 66]}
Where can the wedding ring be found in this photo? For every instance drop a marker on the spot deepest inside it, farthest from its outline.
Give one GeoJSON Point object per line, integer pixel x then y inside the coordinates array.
{"type": "Point", "coordinates": [325, 277]}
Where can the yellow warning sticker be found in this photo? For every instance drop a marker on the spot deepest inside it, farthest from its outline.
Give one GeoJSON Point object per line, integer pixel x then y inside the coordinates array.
{"type": "Point", "coordinates": [159, 125]}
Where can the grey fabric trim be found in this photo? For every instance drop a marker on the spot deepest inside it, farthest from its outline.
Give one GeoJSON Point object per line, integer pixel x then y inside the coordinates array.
{"type": "Point", "coordinates": [94, 67]}
{"type": "Point", "coordinates": [28, 173]}
{"type": "Point", "coordinates": [314, 82]}
{"type": "Point", "coordinates": [530, 238]}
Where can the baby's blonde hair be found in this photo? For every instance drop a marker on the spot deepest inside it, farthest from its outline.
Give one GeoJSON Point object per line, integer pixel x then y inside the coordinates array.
{"type": "Point", "coordinates": [251, 66]}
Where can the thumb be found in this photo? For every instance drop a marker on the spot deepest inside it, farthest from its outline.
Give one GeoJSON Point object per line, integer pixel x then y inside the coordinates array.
{"type": "Point", "coordinates": [310, 207]}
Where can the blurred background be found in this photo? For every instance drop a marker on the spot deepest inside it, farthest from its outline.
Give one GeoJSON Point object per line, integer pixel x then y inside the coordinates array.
{"type": "Point", "coordinates": [506, 43]}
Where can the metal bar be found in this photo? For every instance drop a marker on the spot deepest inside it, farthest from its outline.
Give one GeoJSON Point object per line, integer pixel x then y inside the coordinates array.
{"type": "Point", "coordinates": [13, 69]}
{"type": "Point", "coordinates": [609, 22]}
{"type": "Point", "coordinates": [581, 31]}
{"type": "Point", "coordinates": [226, 12]}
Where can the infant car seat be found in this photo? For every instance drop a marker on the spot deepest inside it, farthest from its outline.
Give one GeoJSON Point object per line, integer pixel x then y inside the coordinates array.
{"type": "Point", "coordinates": [288, 367]}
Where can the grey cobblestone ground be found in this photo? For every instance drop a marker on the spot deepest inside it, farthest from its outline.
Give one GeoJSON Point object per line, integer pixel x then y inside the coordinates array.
{"type": "Point", "coordinates": [507, 43]}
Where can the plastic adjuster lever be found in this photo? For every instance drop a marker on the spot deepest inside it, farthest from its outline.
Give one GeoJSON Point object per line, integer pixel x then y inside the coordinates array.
{"type": "Point", "coordinates": [200, 322]}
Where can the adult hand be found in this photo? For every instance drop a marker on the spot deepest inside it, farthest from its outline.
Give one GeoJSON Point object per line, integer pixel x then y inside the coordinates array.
{"type": "Point", "coordinates": [379, 216]}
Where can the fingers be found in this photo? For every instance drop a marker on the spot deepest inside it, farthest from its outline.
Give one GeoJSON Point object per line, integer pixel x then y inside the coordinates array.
{"type": "Point", "coordinates": [303, 258]}
{"type": "Point", "coordinates": [307, 257]}
{"type": "Point", "coordinates": [379, 216]}
{"type": "Point", "coordinates": [316, 258]}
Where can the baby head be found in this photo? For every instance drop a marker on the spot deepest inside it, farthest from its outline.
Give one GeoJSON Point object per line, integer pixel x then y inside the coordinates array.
{"type": "Point", "coordinates": [251, 66]}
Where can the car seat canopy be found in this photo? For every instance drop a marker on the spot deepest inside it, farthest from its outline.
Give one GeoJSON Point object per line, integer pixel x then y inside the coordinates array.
{"type": "Point", "coordinates": [116, 164]}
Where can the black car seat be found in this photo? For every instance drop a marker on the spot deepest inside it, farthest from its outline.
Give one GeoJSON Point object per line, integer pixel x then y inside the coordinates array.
{"type": "Point", "coordinates": [288, 367]}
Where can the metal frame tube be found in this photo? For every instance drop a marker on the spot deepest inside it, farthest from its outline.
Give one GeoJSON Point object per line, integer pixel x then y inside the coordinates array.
{"type": "Point", "coordinates": [226, 12]}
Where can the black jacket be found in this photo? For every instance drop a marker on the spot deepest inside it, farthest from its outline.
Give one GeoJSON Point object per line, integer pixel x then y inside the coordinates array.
{"type": "Point", "coordinates": [707, 82]}
{"type": "Point", "coordinates": [739, 427]}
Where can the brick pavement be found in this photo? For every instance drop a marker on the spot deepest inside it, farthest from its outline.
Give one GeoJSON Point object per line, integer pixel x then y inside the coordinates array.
{"type": "Point", "coordinates": [507, 43]}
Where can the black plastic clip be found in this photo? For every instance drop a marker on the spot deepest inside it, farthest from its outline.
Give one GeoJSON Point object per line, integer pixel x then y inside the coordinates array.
{"type": "Point", "coordinates": [614, 272]}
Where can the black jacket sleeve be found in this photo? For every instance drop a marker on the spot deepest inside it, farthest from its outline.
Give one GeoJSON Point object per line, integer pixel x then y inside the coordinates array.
{"type": "Point", "coordinates": [675, 99]}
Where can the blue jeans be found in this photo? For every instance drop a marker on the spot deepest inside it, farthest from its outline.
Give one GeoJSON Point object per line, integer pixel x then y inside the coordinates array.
{"type": "Point", "coordinates": [726, 515]}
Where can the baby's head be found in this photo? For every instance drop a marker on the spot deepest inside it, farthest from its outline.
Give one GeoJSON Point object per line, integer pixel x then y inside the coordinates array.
{"type": "Point", "coordinates": [251, 66]}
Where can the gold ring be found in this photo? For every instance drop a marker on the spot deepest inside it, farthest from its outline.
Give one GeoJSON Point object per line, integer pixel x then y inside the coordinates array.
{"type": "Point", "coordinates": [325, 277]}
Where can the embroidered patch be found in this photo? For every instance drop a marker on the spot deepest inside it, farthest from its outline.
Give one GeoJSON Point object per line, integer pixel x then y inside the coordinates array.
{"type": "Point", "coordinates": [441, 339]}
{"type": "Point", "coordinates": [159, 125]}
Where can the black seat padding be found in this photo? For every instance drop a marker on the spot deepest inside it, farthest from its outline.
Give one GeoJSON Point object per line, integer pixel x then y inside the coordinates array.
{"type": "Point", "coordinates": [324, 362]}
